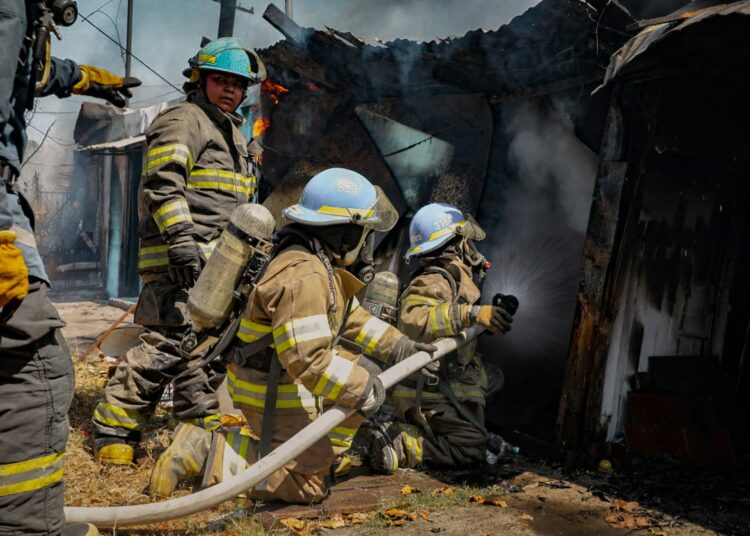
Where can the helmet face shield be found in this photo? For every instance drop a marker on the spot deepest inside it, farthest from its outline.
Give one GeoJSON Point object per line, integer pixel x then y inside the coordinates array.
{"type": "Point", "coordinates": [381, 217]}
{"type": "Point", "coordinates": [470, 229]}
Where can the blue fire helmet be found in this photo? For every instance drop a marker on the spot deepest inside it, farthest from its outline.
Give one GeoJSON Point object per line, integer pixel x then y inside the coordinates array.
{"type": "Point", "coordinates": [435, 224]}
{"type": "Point", "coordinates": [336, 196]}
{"type": "Point", "coordinates": [227, 55]}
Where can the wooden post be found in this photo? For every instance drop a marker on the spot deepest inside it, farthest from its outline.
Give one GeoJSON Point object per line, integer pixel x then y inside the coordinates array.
{"type": "Point", "coordinates": [578, 424]}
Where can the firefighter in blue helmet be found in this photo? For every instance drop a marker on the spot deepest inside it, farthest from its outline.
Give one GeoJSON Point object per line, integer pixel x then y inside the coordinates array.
{"type": "Point", "coordinates": [442, 421]}
{"type": "Point", "coordinates": [197, 171]}
{"type": "Point", "coordinates": [286, 363]}
{"type": "Point", "coordinates": [36, 373]}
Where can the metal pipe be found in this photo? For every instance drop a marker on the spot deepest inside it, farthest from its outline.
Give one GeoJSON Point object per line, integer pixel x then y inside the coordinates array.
{"type": "Point", "coordinates": [229, 489]}
{"type": "Point", "coordinates": [226, 17]}
{"type": "Point", "coordinates": [129, 39]}
{"type": "Point", "coordinates": [289, 8]}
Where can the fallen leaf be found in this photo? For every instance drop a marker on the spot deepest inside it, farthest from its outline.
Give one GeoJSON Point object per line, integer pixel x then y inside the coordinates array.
{"type": "Point", "coordinates": [527, 517]}
{"type": "Point", "coordinates": [408, 490]}
{"type": "Point", "coordinates": [625, 506]}
{"type": "Point", "coordinates": [296, 525]}
{"type": "Point", "coordinates": [658, 532]}
{"type": "Point", "coordinates": [482, 500]}
{"type": "Point", "coordinates": [398, 512]}
{"type": "Point", "coordinates": [335, 522]}
{"type": "Point", "coordinates": [443, 490]}
{"type": "Point", "coordinates": [357, 518]}
{"type": "Point", "coordinates": [425, 516]}
{"type": "Point", "coordinates": [395, 522]}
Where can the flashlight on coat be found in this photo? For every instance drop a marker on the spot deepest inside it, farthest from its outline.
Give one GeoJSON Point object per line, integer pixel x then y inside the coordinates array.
{"type": "Point", "coordinates": [507, 302]}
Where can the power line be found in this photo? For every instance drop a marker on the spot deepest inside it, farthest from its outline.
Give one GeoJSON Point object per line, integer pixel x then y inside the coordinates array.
{"type": "Point", "coordinates": [136, 58]}
{"type": "Point", "coordinates": [152, 98]}
{"type": "Point", "coordinates": [54, 140]}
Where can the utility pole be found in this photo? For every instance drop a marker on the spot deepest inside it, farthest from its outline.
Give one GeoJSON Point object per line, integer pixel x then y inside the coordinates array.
{"type": "Point", "coordinates": [226, 17]}
{"type": "Point", "coordinates": [129, 40]}
{"type": "Point", "coordinates": [289, 8]}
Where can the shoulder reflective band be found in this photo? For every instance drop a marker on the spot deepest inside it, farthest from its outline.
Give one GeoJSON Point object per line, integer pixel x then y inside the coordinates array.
{"type": "Point", "coordinates": [175, 152]}
{"type": "Point", "coordinates": [31, 474]}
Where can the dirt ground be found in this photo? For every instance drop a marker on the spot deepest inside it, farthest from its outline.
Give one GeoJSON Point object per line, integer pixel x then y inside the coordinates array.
{"type": "Point", "coordinates": [514, 496]}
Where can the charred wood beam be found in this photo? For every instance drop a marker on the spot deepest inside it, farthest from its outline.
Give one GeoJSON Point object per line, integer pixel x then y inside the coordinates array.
{"type": "Point", "coordinates": [578, 425]}
{"type": "Point", "coordinates": [291, 30]}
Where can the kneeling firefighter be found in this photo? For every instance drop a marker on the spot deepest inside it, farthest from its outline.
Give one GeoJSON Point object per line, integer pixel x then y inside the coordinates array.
{"type": "Point", "coordinates": [196, 173]}
{"type": "Point", "coordinates": [442, 420]}
{"type": "Point", "coordinates": [286, 366]}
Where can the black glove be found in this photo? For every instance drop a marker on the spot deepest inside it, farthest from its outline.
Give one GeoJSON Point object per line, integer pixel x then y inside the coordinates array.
{"type": "Point", "coordinates": [101, 84]}
{"type": "Point", "coordinates": [374, 398]}
{"type": "Point", "coordinates": [114, 94]}
{"type": "Point", "coordinates": [184, 261]}
{"type": "Point", "coordinates": [406, 347]}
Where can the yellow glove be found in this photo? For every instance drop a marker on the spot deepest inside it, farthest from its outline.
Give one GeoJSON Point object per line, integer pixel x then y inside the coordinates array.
{"type": "Point", "coordinates": [14, 275]}
{"type": "Point", "coordinates": [494, 319]}
{"type": "Point", "coordinates": [96, 82]}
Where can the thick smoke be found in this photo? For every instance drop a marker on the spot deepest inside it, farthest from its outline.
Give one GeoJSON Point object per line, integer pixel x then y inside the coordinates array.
{"type": "Point", "coordinates": [543, 197]}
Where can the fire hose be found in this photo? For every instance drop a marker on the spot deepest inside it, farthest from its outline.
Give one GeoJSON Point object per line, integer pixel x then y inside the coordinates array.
{"type": "Point", "coordinates": [142, 514]}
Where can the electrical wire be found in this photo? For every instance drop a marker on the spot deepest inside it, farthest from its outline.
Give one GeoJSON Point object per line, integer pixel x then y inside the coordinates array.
{"type": "Point", "coordinates": [59, 142]}
{"type": "Point", "coordinates": [147, 66]}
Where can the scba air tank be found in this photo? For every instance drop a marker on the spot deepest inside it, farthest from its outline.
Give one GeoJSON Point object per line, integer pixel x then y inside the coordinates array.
{"type": "Point", "coordinates": [210, 300]}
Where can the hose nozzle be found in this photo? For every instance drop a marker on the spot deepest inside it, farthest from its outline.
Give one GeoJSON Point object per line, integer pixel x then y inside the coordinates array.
{"type": "Point", "coordinates": [506, 301]}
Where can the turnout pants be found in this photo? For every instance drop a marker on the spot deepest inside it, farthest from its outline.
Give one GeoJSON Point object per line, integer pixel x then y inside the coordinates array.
{"type": "Point", "coordinates": [306, 479]}
{"type": "Point", "coordinates": [454, 441]}
{"type": "Point", "coordinates": [131, 395]}
{"type": "Point", "coordinates": [36, 389]}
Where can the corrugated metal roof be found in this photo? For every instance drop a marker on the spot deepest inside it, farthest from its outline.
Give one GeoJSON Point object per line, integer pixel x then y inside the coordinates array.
{"type": "Point", "coordinates": [656, 33]}
{"type": "Point", "coordinates": [117, 144]}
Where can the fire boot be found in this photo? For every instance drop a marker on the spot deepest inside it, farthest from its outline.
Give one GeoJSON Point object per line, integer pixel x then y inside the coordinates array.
{"type": "Point", "coordinates": [383, 456]}
{"type": "Point", "coordinates": [342, 466]}
{"type": "Point", "coordinates": [183, 459]}
{"type": "Point", "coordinates": [80, 529]}
{"type": "Point", "coordinates": [230, 452]}
{"type": "Point", "coordinates": [114, 452]}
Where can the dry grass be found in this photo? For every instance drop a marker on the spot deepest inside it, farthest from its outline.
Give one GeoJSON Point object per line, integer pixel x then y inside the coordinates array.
{"type": "Point", "coordinates": [89, 483]}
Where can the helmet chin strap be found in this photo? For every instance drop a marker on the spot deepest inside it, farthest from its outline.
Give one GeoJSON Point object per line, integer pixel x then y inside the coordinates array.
{"type": "Point", "coordinates": [351, 256]}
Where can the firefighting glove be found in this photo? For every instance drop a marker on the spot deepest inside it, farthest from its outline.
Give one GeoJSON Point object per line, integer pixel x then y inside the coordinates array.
{"type": "Point", "coordinates": [101, 84]}
{"type": "Point", "coordinates": [494, 319]}
{"type": "Point", "coordinates": [14, 275]}
{"type": "Point", "coordinates": [184, 261]}
{"type": "Point", "coordinates": [406, 347]}
{"type": "Point", "coordinates": [374, 400]}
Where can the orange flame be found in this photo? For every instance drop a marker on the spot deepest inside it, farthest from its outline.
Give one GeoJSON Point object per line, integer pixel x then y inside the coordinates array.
{"type": "Point", "coordinates": [273, 90]}
{"type": "Point", "coordinates": [260, 126]}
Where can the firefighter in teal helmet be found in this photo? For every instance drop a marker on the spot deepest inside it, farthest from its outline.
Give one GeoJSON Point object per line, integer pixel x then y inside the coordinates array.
{"type": "Point", "coordinates": [196, 172]}
{"type": "Point", "coordinates": [441, 422]}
